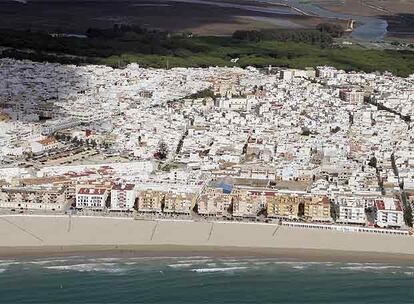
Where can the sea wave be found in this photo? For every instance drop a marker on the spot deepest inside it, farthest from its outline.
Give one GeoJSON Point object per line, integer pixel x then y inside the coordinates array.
{"type": "Point", "coordinates": [302, 264]}
{"type": "Point", "coordinates": [261, 263]}
{"type": "Point", "coordinates": [370, 267]}
{"type": "Point", "coordinates": [3, 264]}
{"type": "Point", "coordinates": [45, 262]}
{"type": "Point", "coordinates": [6, 261]}
{"type": "Point", "coordinates": [195, 261]}
{"type": "Point", "coordinates": [107, 259]}
{"type": "Point", "coordinates": [2, 270]}
{"type": "Point", "coordinates": [224, 269]}
{"type": "Point", "coordinates": [236, 263]}
{"type": "Point", "coordinates": [363, 264]}
{"type": "Point", "coordinates": [300, 267]}
{"type": "Point", "coordinates": [98, 267]}
{"type": "Point", "coordinates": [182, 265]}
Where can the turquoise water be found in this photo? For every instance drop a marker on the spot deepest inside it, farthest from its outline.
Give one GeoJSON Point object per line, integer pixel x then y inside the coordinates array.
{"type": "Point", "coordinates": [201, 280]}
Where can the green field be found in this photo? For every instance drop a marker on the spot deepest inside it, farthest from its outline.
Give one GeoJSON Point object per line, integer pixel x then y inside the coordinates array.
{"type": "Point", "coordinates": [162, 50]}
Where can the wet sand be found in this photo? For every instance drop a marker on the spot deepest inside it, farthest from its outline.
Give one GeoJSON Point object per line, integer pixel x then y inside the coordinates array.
{"type": "Point", "coordinates": [168, 251]}
{"type": "Point", "coordinates": [367, 7]}
{"type": "Point", "coordinates": [222, 18]}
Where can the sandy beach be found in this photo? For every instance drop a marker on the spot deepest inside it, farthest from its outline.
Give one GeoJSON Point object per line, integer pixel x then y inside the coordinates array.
{"type": "Point", "coordinates": [60, 235]}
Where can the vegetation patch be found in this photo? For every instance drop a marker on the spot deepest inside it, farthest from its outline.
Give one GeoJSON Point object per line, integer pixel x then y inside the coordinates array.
{"type": "Point", "coordinates": [121, 45]}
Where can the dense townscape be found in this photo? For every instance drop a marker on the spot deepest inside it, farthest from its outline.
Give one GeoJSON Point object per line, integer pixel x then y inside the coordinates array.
{"type": "Point", "coordinates": [303, 146]}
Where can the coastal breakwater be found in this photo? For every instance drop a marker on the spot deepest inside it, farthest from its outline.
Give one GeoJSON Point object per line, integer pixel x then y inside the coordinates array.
{"type": "Point", "coordinates": [22, 231]}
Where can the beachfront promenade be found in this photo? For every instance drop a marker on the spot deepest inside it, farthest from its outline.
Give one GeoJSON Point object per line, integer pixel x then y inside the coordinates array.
{"type": "Point", "coordinates": [42, 231]}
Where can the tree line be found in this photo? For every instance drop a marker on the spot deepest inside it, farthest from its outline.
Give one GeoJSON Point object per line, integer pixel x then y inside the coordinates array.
{"type": "Point", "coordinates": [323, 34]}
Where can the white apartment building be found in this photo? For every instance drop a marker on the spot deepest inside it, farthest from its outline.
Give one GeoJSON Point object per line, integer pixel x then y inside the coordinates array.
{"type": "Point", "coordinates": [326, 72]}
{"type": "Point", "coordinates": [350, 210]}
{"type": "Point", "coordinates": [352, 96]}
{"type": "Point", "coordinates": [58, 124]}
{"type": "Point", "coordinates": [123, 197]}
{"type": "Point", "coordinates": [232, 103]}
{"type": "Point", "coordinates": [389, 212]}
{"type": "Point", "coordinates": [45, 144]}
{"type": "Point", "coordinates": [91, 198]}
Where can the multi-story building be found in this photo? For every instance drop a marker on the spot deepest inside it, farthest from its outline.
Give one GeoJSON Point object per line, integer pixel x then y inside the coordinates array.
{"type": "Point", "coordinates": [350, 210]}
{"type": "Point", "coordinates": [352, 96]}
{"type": "Point", "coordinates": [326, 72]}
{"type": "Point", "coordinates": [91, 198]}
{"type": "Point", "coordinates": [43, 145]}
{"type": "Point", "coordinates": [150, 201]}
{"type": "Point", "coordinates": [181, 203]}
{"type": "Point", "coordinates": [317, 208]}
{"type": "Point", "coordinates": [214, 202]}
{"type": "Point", "coordinates": [389, 212]}
{"type": "Point", "coordinates": [41, 198]}
{"type": "Point", "coordinates": [283, 206]}
{"type": "Point", "coordinates": [52, 126]}
{"type": "Point", "coordinates": [246, 203]}
{"type": "Point", "coordinates": [123, 197]}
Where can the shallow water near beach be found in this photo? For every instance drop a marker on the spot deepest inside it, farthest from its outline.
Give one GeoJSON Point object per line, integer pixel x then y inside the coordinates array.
{"type": "Point", "coordinates": [201, 279]}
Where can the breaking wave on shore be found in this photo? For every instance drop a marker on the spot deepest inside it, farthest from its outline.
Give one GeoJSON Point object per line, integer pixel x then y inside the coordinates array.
{"type": "Point", "coordinates": [207, 279]}
{"type": "Point", "coordinates": [218, 269]}
{"type": "Point", "coordinates": [100, 267]}
{"type": "Point", "coordinates": [196, 264]}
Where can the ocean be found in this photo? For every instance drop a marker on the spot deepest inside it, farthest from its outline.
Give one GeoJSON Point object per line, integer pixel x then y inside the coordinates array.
{"type": "Point", "coordinates": [201, 279]}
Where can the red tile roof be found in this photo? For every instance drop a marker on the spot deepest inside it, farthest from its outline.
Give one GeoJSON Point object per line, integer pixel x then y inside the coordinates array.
{"type": "Point", "coordinates": [380, 205]}
{"type": "Point", "coordinates": [125, 187]}
{"type": "Point", "coordinates": [47, 141]}
{"type": "Point", "coordinates": [92, 191]}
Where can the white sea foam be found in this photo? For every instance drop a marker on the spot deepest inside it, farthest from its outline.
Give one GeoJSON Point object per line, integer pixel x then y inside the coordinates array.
{"type": "Point", "coordinates": [261, 263]}
{"type": "Point", "coordinates": [299, 267]}
{"type": "Point", "coordinates": [106, 259]}
{"type": "Point", "coordinates": [182, 265]}
{"type": "Point", "coordinates": [45, 262]}
{"type": "Point", "coordinates": [9, 263]}
{"type": "Point", "coordinates": [370, 267]}
{"type": "Point", "coordinates": [212, 265]}
{"type": "Point", "coordinates": [363, 264]}
{"type": "Point", "coordinates": [224, 269]}
{"type": "Point", "coordinates": [236, 263]}
{"type": "Point", "coordinates": [299, 262]}
{"type": "Point", "coordinates": [197, 261]}
{"type": "Point", "coordinates": [2, 270]}
{"type": "Point", "coordinates": [303, 264]}
{"type": "Point", "coordinates": [194, 257]}
{"type": "Point", "coordinates": [99, 267]}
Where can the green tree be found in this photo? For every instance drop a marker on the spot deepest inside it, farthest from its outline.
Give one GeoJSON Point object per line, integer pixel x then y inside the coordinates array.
{"type": "Point", "coordinates": [162, 151]}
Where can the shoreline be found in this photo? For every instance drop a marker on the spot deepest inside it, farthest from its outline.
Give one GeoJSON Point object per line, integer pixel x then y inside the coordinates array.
{"type": "Point", "coordinates": [172, 251]}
